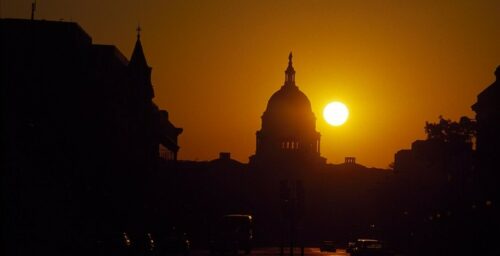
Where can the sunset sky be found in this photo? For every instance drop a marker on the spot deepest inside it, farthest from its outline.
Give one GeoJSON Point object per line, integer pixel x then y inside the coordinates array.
{"type": "Point", "coordinates": [395, 64]}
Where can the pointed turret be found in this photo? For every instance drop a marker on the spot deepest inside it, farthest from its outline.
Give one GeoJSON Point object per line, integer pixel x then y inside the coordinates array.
{"type": "Point", "coordinates": [290, 72]}
{"type": "Point", "coordinates": [139, 69]}
{"type": "Point", "coordinates": [138, 59]}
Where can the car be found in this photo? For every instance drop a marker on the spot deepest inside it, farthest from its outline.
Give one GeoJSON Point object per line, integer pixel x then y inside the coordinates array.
{"type": "Point", "coordinates": [125, 243]}
{"type": "Point", "coordinates": [113, 243]}
{"type": "Point", "coordinates": [368, 247]}
{"type": "Point", "coordinates": [173, 242]}
{"type": "Point", "coordinates": [350, 246]}
{"type": "Point", "coordinates": [232, 233]}
{"type": "Point", "coordinates": [143, 243]}
{"type": "Point", "coordinates": [327, 246]}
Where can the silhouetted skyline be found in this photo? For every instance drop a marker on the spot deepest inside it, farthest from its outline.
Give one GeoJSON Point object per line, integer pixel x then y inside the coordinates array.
{"type": "Point", "coordinates": [90, 155]}
{"type": "Point", "coordinates": [393, 63]}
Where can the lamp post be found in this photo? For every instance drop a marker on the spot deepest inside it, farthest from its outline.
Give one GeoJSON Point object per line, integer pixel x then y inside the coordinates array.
{"type": "Point", "coordinates": [292, 207]}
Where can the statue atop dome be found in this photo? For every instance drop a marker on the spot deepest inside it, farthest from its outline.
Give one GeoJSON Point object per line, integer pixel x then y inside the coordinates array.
{"type": "Point", "coordinates": [290, 72]}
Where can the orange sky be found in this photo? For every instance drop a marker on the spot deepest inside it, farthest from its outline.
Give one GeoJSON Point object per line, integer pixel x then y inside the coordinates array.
{"type": "Point", "coordinates": [395, 64]}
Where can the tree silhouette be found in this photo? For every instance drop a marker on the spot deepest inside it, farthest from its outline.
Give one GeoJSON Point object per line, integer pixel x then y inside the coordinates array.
{"type": "Point", "coordinates": [445, 130]}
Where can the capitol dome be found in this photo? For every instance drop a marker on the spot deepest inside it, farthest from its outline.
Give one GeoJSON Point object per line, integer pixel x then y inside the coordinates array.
{"type": "Point", "coordinates": [288, 124]}
{"type": "Point", "coordinates": [288, 110]}
{"type": "Point", "coordinates": [288, 98]}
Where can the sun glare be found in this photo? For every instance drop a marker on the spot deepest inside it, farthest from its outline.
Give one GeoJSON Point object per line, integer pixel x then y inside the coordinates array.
{"type": "Point", "coordinates": [335, 113]}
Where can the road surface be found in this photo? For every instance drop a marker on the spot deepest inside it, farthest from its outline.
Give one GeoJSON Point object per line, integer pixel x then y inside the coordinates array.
{"type": "Point", "coordinates": [275, 251]}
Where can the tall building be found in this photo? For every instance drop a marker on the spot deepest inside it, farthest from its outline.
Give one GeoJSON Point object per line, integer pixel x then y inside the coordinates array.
{"type": "Point", "coordinates": [154, 135]}
{"type": "Point", "coordinates": [288, 135]}
{"type": "Point", "coordinates": [487, 110]}
{"type": "Point", "coordinates": [80, 132]}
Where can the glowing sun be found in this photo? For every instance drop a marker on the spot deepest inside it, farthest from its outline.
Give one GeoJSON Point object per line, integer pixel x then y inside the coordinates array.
{"type": "Point", "coordinates": [335, 113]}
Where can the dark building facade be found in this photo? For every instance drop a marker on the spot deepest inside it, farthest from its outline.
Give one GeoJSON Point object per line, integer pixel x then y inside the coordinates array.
{"type": "Point", "coordinates": [487, 110]}
{"type": "Point", "coordinates": [80, 136]}
{"type": "Point", "coordinates": [288, 135]}
{"type": "Point", "coordinates": [447, 190]}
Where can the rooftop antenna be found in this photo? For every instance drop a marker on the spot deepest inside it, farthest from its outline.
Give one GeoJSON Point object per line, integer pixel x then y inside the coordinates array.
{"type": "Point", "coordinates": [33, 9]}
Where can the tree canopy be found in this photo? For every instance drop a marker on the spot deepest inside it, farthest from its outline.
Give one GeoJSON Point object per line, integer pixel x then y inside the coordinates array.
{"type": "Point", "coordinates": [446, 130]}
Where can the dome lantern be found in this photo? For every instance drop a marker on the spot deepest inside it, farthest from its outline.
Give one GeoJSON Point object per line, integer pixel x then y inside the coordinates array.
{"type": "Point", "coordinates": [290, 72]}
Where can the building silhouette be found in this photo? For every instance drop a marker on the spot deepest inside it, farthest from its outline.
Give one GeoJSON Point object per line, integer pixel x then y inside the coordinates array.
{"type": "Point", "coordinates": [288, 134]}
{"type": "Point", "coordinates": [487, 110]}
{"type": "Point", "coordinates": [169, 146]}
{"type": "Point", "coordinates": [81, 136]}
{"type": "Point", "coordinates": [155, 132]}
{"type": "Point", "coordinates": [446, 189]}
{"type": "Point", "coordinates": [487, 195]}
{"type": "Point", "coordinates": [83, 139]}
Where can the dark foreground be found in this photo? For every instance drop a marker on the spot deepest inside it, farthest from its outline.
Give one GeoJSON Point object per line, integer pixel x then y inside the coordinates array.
{"type": "Point", "coordinates": [275, 251]}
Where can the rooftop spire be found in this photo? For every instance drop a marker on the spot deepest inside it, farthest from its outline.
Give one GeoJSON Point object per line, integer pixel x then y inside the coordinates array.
{"type": "Point", "coordinates": [138, 58]}
{"type": "Point", "coordinates": [140, 71]}
{"type": "Point", "coordinates": [138, 31]}
{"type": "Point", "coordinates": [290, 72]}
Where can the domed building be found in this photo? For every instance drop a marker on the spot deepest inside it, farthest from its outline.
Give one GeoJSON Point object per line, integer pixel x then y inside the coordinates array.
{"type": "Point", "coordinates": [288, 135]}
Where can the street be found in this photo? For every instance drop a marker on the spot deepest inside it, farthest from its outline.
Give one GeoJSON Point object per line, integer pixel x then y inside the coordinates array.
{"type": "Point", "coordinates": [307, 251]}
{"type": "Point", "coordinates": [275, 251]}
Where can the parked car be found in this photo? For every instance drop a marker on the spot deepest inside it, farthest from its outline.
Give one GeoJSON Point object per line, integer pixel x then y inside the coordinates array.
{"type": "Point", "coordinates": [113, 243]}
{"type": "Point", "coordinates": [143, 244]}
{"type": "Point", "coordinates": [232, 233]}
{"type": "Point", "coordinates": [125, 244]}
{"type": "Point", "coordinates": [173, 242]}
{"type": "Point", "coordinates": [327, 246]}
{"type": "Point", "coordinates": [350, 246]}
{"type": "Point", "coordinates": [368, 247]}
